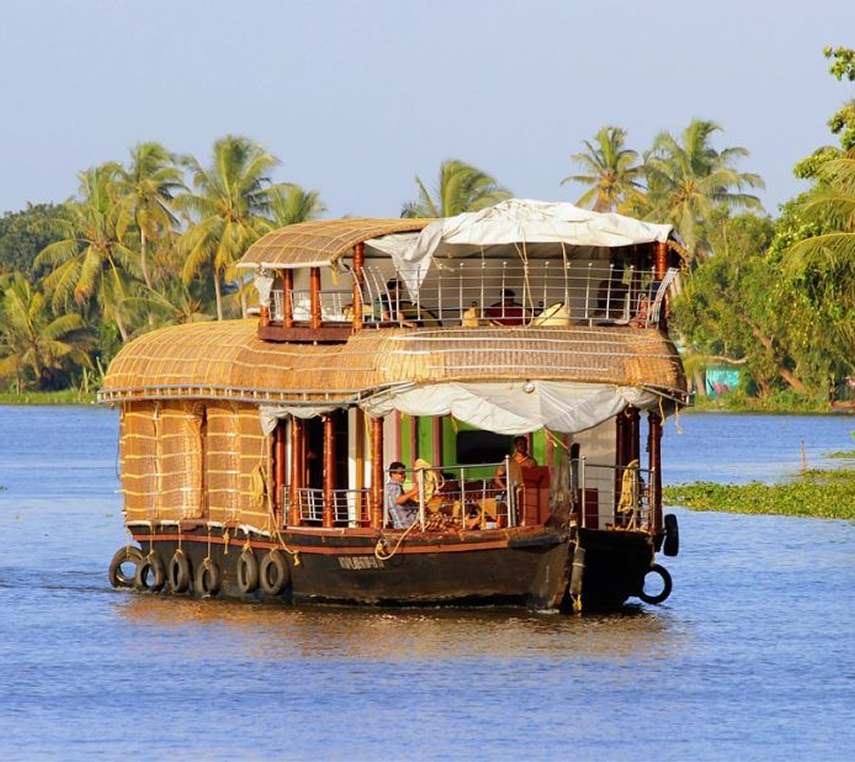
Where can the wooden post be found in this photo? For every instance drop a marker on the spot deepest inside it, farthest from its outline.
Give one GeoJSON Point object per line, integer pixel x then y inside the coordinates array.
{"type": "Point", "coordinates": [279, 471]}
{"type": "Point", "coordinates": [621, 426]}
{"type": "Point", "coordinates": [297, 467]}
{"type": "Point", "coordinates": [362, 515]}
{"type": "Point", "coordinates": [329, 469]}
{"type": "Point", "coordinates": [358, 280]}
{"type": "Point", "coordinates": [436, 432]}
{"type": "Point", "coordinates": [288, 298]}
{"type": "Point", "coordinates": [264, 318]}
{"type": "Point", "coordinates": [654, 448]}
{"type": "Point", "coordinates": [633, 435]}
{"type": "Point", "coordinates": [414, 437]}
{"type": "Point", "coordinates": [660, 265]}
{"type": "Point", "coordinates": [315, 297]}
{"type": "Point", "coordinates": [377, 486]}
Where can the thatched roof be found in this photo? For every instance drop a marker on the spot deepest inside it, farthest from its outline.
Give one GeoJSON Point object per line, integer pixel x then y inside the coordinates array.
{"type": "Point", "coordinates": [228, 360]}
{"type": "Point", "coordinates": [321, 242]}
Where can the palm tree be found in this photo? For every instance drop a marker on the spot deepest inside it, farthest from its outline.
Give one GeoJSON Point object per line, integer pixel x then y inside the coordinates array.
{"type": "Point", "coordinates": [611, 171]}
{"type": "Point", "coordinates": [232, 197]}
{"type": "Point", "coordinates": [92, 259]}
{"type": "Point", "coordinates": [461, 188]}
{"type": "Point", "coordinates": [145, 191]}
{"type": "Point", "coordinates": [31, 339]}
{"type": "Point", "coordinates": [689, 182]}
{"type": "Point", "coordinates": [291, 204]}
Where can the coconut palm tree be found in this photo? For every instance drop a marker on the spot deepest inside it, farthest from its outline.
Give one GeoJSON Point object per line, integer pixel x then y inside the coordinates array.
{"type": "Point", "coordinates": [291, 204]}
{"type": "Point", "coordinates": [461, 188]}
{"type": "Point", "coordinates": [611, 172]}
{"type": "Point", "coordinates": [145, 191]}
{"type": "Point", "coordinates": [689, 182]}
{"type": "Point", "coordinates": [231, 199]}
{"type": "Point", "coordinates": [92, 259]}
{"type": "Point", "coordinates": [33, 340]}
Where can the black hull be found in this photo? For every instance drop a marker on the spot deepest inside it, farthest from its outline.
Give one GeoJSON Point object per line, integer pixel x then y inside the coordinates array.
{"type": "Point", "coordinates": [525, 567]}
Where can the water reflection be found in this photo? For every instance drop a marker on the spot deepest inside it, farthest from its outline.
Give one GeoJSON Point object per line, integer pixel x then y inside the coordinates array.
{"type": "Point", "coordinates": [274, 633]}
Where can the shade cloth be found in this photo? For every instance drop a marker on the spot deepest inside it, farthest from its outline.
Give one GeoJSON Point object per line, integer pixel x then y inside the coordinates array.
{"type": "Point", "coordinates": [515, 408]}
{"type": "Point", "coordinates": [521, 221]}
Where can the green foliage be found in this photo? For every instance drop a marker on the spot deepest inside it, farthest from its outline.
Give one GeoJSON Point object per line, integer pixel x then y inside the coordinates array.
{"type": "Point", "coordinates": [843, 121]}
{"type": "Point", "coordinates": [820, 494]}
{"type": "Point", "coordinates": [461, 188]}
{"type": "Point", "coordinates": [612, 172]}
{"type": "Point", "coordinates": [24, 234]}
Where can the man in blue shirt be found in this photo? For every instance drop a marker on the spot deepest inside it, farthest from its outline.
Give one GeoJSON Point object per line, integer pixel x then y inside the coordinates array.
{"type": "Point", "coordinates": [401, 506]}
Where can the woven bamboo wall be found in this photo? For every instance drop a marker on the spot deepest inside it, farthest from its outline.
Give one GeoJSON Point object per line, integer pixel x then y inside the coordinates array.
{"type": "Point", "coordinates": [163, 447]}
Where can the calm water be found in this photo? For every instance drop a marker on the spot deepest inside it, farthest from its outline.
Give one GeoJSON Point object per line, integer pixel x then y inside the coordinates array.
{"type": "Point", "coordinates": [752, 657]}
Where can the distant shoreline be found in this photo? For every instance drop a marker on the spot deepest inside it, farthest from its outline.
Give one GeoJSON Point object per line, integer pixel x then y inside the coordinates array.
{"type": "Point", "coordinates": [64, 397]}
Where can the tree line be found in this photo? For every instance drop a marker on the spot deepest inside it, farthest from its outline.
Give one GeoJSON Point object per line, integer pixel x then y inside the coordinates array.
{"type": "Point", "coordinates": [155, 241]}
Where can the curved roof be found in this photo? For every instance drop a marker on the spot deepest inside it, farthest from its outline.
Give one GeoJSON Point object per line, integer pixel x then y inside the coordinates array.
{"type": "Point", "coordinates": [228, 360]}
{"type": "Point", "coordinates": [321, 242]}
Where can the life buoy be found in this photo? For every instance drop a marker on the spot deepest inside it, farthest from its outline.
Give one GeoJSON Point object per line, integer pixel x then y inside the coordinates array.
{"type": "Point", "coordinates": [275, 574]}
{"type": "Point", "coordinates": [247, 571]}
{"type": "Point", "coordinates": [151, 564]}
{"type": "Point", "coordinates": [178, 573]}
{"type": "Point", "coordinates": [672, 535]}
{"type": "Point", "coordinates": [127, 554]}
{"type": "Point", "coordinates": [667, 584]}
{"type": "Point", "coordinates": [208, 578]}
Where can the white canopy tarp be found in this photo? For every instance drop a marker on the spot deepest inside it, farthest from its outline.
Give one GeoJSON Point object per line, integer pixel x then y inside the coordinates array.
{"type": "Point", "coordinates": [515, 407]}
{"type": "Point", "coordinates": [270, 414]}
{"type": "Point", "coordinates": [520, 221]}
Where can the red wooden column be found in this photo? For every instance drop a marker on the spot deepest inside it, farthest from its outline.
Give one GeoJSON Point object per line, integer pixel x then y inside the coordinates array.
{"type": "Point", "coordinates": [280, 469]}
{"type": "Point", "coordinates": [654, 448]}
{"type": "Point", "coordinates": [358, 280]}
{"type": "Point", "coordinates": [297, 467]}
{"type": "Point", "coordinates": [329, 469]}
{"type": "Point", "coordinates": [414, 437]}
{"type": "Point", "coordinates": [660, 265]}
{"type": "Point", "coordinates": [633, 435]}
{"type": "Point", "coordinates": [315, 297]}
{"type": "Point", "coordinates": [288, 298]}
{"type": "Point", "coordinates": [376, 473]}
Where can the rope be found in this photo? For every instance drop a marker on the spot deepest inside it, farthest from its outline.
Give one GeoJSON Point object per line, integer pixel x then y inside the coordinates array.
{"type": "Point", "coordinates": [381, 544]}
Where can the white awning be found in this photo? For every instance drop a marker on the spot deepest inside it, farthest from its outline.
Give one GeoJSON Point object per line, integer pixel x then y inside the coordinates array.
{"type": "Point", "coordinates": [521, 222]}
{"type": "Point", "coordinates": [515, 407]}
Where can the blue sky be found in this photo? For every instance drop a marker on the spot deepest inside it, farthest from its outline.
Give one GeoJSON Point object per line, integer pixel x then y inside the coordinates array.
{"type": "Point", "coordinates": [356, 98]}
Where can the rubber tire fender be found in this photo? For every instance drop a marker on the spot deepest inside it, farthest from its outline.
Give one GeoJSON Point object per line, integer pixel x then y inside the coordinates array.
{"type": "Point", "coordinates": [247, 572]}
{"type": "Point", "coordinates": [671, 546]}
{"type": "Point", "coordinates": [275, 574]}
{"type": "Point", "coordinates": [121, 556]}
{"type": "Point", "coordinates": [178, 574]}
{"type": "Point", "coordinates": [667, 582]}
{"type": "Point", "coordinates": [208, 578]}
{"type": "Point", "coordinates": [153, 562]}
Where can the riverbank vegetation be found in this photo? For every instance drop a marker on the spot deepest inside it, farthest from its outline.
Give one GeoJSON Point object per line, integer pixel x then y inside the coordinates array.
{"type": "Point", "coordinates": [817, 493]}
{"type": "Point", "coordinates": [154, 240]}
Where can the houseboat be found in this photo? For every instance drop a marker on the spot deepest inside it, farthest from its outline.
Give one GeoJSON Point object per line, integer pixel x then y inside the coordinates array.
{"type": "Point", "coordinates": [419, 412]}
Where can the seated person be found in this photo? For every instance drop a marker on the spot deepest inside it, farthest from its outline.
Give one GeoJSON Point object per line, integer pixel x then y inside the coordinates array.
{"type": "Point", "coordinates": [394, 307]}
{"type": "Point", "coordinates": [611, 299]}
{"type": "Point", "coordinates": [519, 460]}
{"type": "Point", "coordinates": [508, 311]}
{"type": "Point", "coordinates": [400, 505]}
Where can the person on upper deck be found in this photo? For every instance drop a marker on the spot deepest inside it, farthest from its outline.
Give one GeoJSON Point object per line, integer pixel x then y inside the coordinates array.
{"type": "Point", "coordinates": [401, 505]}
{"type": "Point", "coordinates": [395, 307]}
{"type": "Point", "coordinates": [518, 461]}
{"type": "Point", "coordinates": [508, 311]}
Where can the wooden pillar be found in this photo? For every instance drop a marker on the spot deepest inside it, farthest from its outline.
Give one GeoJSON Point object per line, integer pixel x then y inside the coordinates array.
{"type": "Point", "coordinates": [620, 438]}
{"type": "Point", "coordinates": [654, 448]}
{"type": "Point", "coordinates": [436, 433]}
{"type": "Point", "coordinates": [362, 514]}
{"type": "Point", "coordinates": [633, 435]}
{"type": "Point", "coordinates": [660, 266]}
{"type": "Point", "coordinates": [377, 485]}
{"type": "Point", "coordinates": [414, 437]}
{"type": "Point", "coordinates": [315, 297]}
{"type": "Point", "coordinates": [297, 467]}
{"type": "Point", "coordinates": [358, 280]}
{"type": "Point", "coordinates": [288, 298]}
{"type": "Point", "coordinates": [329, 469]}
{"type": "Point", "coordinates": [279, 471]}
